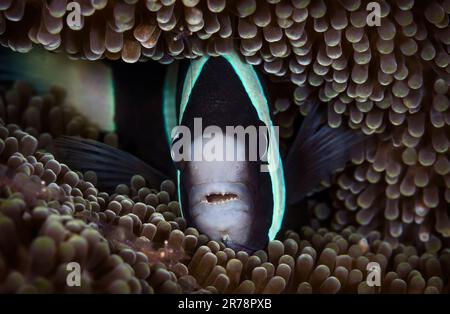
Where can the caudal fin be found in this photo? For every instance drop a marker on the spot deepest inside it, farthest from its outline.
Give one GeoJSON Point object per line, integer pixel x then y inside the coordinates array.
{"type": "Point", "coordinates": [89, 85]}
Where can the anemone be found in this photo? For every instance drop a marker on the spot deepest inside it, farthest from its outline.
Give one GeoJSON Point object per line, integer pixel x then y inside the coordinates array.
{"type": "Point", "coordinates": [390, 204]}
{"type": "Point", "coordinates": [135, 241]}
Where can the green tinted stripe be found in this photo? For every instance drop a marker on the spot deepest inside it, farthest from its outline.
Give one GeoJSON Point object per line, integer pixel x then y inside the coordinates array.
{"type": "Point", "coordinates": [169, 100]}
{"type": "Point", "coordinates": [191, 78]}
{"type": "Point", "coordinates": [253, 87]}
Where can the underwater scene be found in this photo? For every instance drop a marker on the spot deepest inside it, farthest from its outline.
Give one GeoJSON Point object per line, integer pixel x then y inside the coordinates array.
{"type": "Point", "coordinates": [225, 147]}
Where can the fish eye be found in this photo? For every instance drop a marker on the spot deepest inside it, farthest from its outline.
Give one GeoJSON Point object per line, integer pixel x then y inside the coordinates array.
{"type": "Point", "coordinates": [176, 137]}
{"type": "Point", "coordinates": [179, 164]}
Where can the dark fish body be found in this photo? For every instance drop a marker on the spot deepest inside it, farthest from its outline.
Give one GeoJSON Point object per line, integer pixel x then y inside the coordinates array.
{"type": "Point", "coordinates": [224, 91]}
{"type": "Point", "coordinates": [230, 201]}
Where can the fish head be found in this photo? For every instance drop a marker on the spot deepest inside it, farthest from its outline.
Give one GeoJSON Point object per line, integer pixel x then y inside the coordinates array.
{"type": "Point", "coordinates": [229, 200]}
{"type": "Point", "coordinates": [222, 192]}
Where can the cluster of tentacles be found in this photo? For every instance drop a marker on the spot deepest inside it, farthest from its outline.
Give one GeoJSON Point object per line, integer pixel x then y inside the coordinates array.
{"type": "Point", "coordinates": [389, 81]}
{"type": "Point", "coordinates": [135, 241]}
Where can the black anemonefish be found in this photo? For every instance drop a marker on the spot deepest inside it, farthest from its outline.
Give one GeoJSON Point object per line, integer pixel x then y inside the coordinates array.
{"type": "Point", "coordinates": [232, 201]}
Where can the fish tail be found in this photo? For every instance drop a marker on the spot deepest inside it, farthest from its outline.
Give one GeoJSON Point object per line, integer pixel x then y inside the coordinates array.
{"type": "Point", "coordinates": [88, 85]}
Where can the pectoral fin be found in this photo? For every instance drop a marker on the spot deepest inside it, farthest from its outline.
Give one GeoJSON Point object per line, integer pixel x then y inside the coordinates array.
{"type": "Point", "coordinates": [112, 166]}
{"type": "Point", "coordinates": [317, 151]}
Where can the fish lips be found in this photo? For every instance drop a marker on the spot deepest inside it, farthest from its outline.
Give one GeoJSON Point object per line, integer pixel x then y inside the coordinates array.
{"type": "Point", "coordinates": [222, 210]}
{"type": "Point", "coordinates": [232, 191]}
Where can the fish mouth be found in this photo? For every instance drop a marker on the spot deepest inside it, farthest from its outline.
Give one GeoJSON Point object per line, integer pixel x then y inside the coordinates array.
{"type": "Point", "coordinates": [222, 210]}
{"type": "Point", "coordinates": [219, 198]}
{"type": "Point", "coordinates": [234, 196]}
